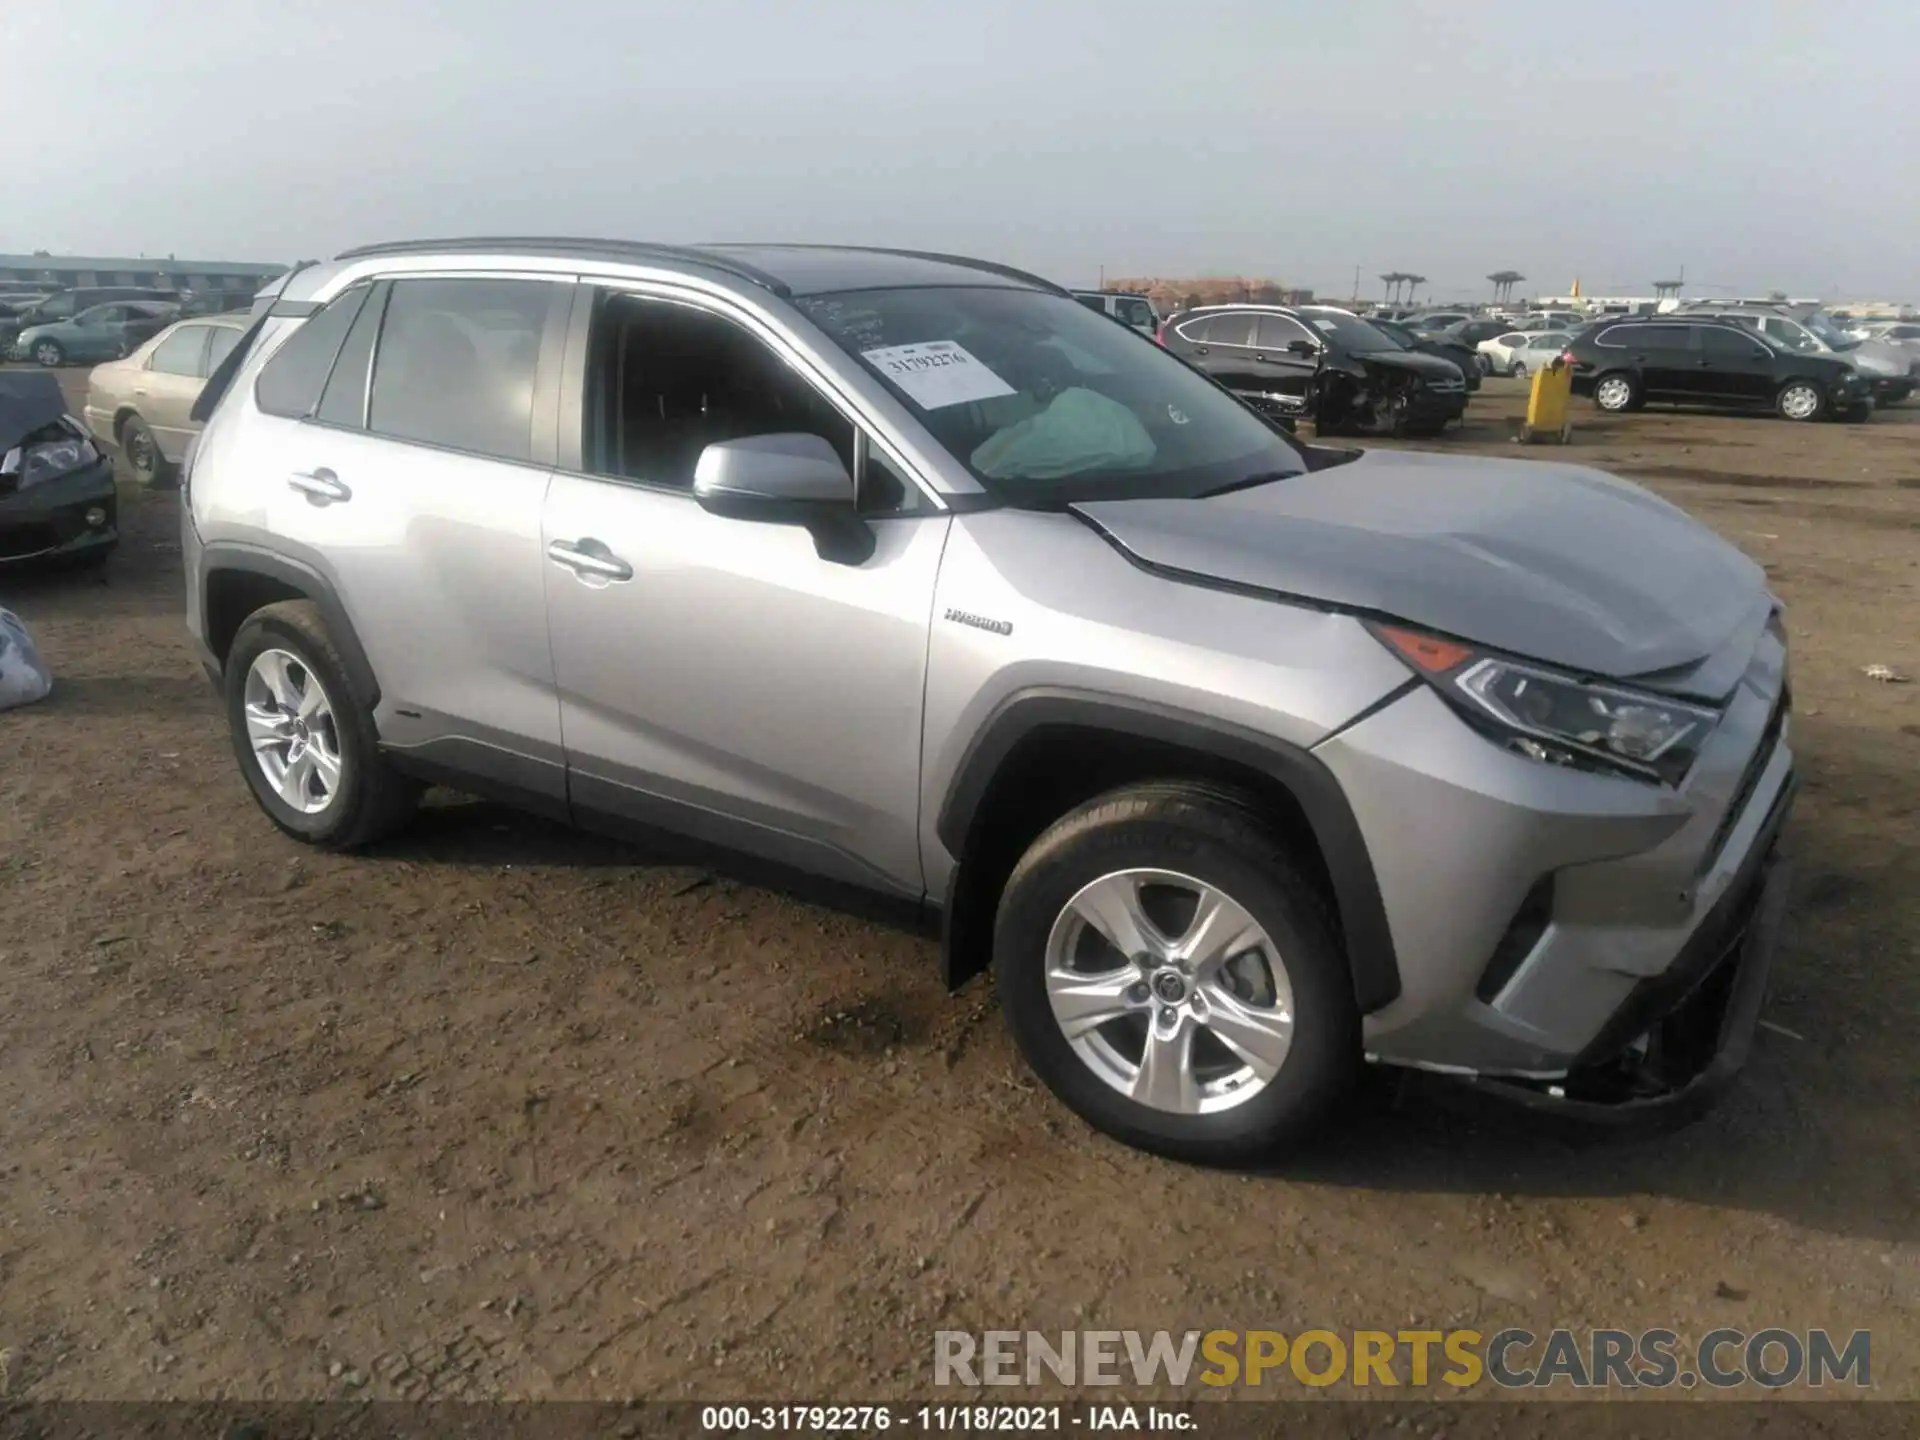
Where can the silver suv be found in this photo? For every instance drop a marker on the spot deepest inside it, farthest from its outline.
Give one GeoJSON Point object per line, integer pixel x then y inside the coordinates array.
{"type": "Point", "coordinates": [1238, 760]}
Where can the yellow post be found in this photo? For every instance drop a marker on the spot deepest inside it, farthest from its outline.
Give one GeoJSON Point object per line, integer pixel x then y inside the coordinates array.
{"type": "Point", "coordinates": [1547, 403]}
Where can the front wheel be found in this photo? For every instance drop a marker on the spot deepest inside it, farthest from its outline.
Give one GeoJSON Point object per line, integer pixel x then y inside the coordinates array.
{"type": "Point", "coordinates": [1519, 371]}
{"type": "Point", "coordinates": [1170, 972]}
{"type": "Point", "coordinates": [49, 353]}
{"type": "Point", "coordinates": [1800, 400]}
{"type": "Point", "coordinates": [307, 746]}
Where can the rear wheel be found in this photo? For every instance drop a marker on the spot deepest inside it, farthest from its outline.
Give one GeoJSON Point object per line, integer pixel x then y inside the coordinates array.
{"type": "Point", "coordinates": [307, 746]}
{"type": "Point", "coordinates": [1519, 371]}
{"type": "Point", "coordinates": [1616, 393]}
{"type": "Point", "coordinates": [1800, 400]}
{"type": "Point", "coordinates": [143, 454]}
{"type": "Point", "coordinates": [1170, 973]}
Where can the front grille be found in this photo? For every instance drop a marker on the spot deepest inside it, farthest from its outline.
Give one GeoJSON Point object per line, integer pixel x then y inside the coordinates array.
{"type": "Point", "coordinates": [1749, 778]}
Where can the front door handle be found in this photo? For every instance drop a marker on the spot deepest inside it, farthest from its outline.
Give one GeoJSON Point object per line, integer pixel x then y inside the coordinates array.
{"type": "Point", "coordinates": [589, 557]}
{"type": "Point", "coordinates": [320, 486]}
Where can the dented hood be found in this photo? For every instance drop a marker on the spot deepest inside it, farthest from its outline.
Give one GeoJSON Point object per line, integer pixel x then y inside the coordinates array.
{"type": "Point", "coordinates": [29, 399]}
{"type": "Point", "coordinates": [1554, 562]}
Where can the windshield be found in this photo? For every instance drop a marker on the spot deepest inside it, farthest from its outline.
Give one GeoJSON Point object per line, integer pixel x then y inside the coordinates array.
{"type": "Point", "coordinates": [1833, 335]}
{"type": "Point", "coordinates": [1350, 332]}
{"type": "Point", "coordinates": [1045, 402]}
{"type": "Point", "coordinates": [1401, 337]}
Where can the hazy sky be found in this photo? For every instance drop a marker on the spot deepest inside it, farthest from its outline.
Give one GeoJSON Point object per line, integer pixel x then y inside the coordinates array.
{"type": "Point", "coordinates": [1758, 144]}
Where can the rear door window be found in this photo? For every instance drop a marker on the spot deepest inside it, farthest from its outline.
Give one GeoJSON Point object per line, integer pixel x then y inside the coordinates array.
{"type": "Point", "coordinates": [293, 378]}
{"type": "Point", "coordinates": [457, 363]}
{"type": "Point", "coordinates": [1277, 332]}
{"type": "Point", "coordinates": [181, 353]}
{"type": "Point", "coordinates": [1136, 312]}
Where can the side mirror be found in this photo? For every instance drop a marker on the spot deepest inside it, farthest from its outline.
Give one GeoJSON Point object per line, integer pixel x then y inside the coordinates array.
{"type": "Point", "coordinates": [1303, 347]}
{"type": "Point", "coordinates": [783, 479]}
{"type": "Point", "coordinates": [786, 479]}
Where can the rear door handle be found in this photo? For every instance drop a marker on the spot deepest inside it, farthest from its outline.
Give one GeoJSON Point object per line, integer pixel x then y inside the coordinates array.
{"type": "Point", "coordinates": [321, 486]}
{"type": "Point", "coordinates": [589, 557]}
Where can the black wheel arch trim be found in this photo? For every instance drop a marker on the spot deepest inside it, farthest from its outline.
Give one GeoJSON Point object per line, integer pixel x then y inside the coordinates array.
{"type": "Point", "coordinates": [1363, 915]}
{"type": "Point", "coordinates": [220, 555]}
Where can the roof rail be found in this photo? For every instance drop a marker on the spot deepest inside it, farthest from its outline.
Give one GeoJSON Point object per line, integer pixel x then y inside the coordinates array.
{"type": "Point", "coordinates": [964, 262]}
{"type": "Point", "coordinates": [564, 245]}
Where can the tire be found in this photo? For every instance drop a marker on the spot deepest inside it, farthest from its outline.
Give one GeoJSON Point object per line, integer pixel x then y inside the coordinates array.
{"type": "Point", "coordinates": [1519, 370]}
{"type": "Point", "coordinates": [49, 354]}
{"type": "Point", "coordinates": [1859, 414]}
{"type": "Point", "coordinates": [1800, 400]}
{"type": "Point", "coordinates": [1616, 392]}
{"type": "Point", "coordinates": [1220, 1108]}
{"type": "Point", "coordinates": [149, 466]}
{"type": "Point", "coordinates": [349, 794]}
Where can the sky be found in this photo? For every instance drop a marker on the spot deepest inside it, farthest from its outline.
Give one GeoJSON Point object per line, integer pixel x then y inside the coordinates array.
{"type": "Point", "coordinates": [1758, 144]}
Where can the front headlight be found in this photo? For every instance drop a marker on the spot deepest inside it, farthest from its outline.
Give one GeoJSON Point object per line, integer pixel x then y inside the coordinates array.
{"type": "Point", "coordinates": [48, 453]}
{"type": "Point", "coordinates": [1556, 718]}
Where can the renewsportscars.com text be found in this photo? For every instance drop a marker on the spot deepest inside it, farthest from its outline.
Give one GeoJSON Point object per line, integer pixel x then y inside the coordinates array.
{"type": "Point", "coordinates": [1378, 1359]}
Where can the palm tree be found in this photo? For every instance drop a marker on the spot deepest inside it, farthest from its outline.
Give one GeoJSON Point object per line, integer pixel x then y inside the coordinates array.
{"type": "Point", "coordinates": [1414, 282]}
{"type": "Point", "coordinates": [1503, 283]}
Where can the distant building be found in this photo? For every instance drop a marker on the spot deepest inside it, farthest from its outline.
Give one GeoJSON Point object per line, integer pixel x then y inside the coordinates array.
{"type": "Point", "coordinates": [163, 272]}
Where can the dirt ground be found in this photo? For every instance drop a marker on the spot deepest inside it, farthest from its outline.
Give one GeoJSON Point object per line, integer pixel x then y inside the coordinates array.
{"type": "Point", "coordinates": [503, 1110]}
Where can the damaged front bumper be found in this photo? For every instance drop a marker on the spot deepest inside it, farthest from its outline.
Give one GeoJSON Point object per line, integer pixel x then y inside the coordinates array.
{"type": "Point", "coordinates": [71, 515]}
{"type": "Point", "coordinates": [1682, 1036]}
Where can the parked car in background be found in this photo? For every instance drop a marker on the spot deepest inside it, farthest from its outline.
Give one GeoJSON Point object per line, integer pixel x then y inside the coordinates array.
{"type": "Point", "coordinates": [1904, 333]}
{"type": "Point", "coordinates": [1469, 333]}
{"type": "Point", "coordinates": [66, 304]}
{"type": "Point", "coordinates": [1128, 308]}
{"type": "Point", "coordinates": [1436, 344]}
{"type": "Point", "coordinates": [1321, 363]}
{"type": "Point", "coordinates": [1887, 367]}
{"type": "Point", "coordinates": [1521, 352]}
{"type": "Point", "coordinates": [56, 487]}
{"type": "Point", "coordinates": [1425, 320]}
{"type": "Point", "coordinates": [142, 405]}
{"type": "Point", "coordinates": [216, 302]}
{"type": "Point", "coordinates": [1712, 361]}
{"type": "Point", "coordinates": [97, 334]}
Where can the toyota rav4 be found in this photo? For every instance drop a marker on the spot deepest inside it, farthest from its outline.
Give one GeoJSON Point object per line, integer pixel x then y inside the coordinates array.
{"type": "Point", "coordinates": [1239, 761]}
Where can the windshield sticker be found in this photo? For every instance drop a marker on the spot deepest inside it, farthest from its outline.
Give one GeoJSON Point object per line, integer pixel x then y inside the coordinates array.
{"type": "Point", "coordinates": [937, 373]}
{"type": "Point", "coordinates": [1326, 325]}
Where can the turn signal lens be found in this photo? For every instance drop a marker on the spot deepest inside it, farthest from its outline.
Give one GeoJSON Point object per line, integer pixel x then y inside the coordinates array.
{"type": "Point", "coordinates": [1425, 652]}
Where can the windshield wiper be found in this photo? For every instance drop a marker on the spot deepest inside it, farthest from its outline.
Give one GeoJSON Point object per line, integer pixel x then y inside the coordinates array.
{"type": "Point", "coordinates": [1247, 482]}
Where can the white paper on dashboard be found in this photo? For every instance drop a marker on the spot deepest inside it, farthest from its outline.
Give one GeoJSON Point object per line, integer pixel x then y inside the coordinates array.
{"type": "Point", "coordinates": [937, 373]}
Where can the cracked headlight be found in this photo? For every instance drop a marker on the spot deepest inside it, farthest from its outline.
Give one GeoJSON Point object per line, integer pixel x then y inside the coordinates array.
{"type": "Point", "coordinates": [1559, 719]}
{"type": "Point", "coordinates": [48, 453]}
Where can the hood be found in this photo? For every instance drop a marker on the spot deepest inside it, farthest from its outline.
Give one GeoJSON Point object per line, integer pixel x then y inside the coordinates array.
{"type": "Point", "coordinates": [1558, 563]}
{"type": "Point", "coordinates": [1428, 367]}
{"type": "Point", "coordinates": [29, 400]}
{"type": "Point", "coordinates": [1877, 357]}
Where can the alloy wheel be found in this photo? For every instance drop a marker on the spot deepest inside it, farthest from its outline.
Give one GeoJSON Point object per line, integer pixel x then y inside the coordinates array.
{"type": "Point", "coordinates": [139, 448]}
{"type": "Point", "coordinates": [291, 725]}
{"type": "Point", "coordinates": [1170, 991]}
{"type": "Point", "coordinates": [48, 354]}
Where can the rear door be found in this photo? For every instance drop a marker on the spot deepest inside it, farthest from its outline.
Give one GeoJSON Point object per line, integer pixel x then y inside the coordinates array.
{"type": "Point", "coordinates": [165, 390]}
{"type": "Point", "coordinates": [1664, 358]}
{"type": "Point", "coordinates": [1221, 343]}
{"type": "Point", "coordinates": [414, 479]}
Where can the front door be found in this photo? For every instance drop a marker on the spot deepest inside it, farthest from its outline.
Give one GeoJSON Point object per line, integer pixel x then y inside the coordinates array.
{"type": "Point", "coordinates": [1285, 359]}
{"type": "Point", "coordinates": [732, 679]}
{"type": "Point", "coordinates": [1735, 367]}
